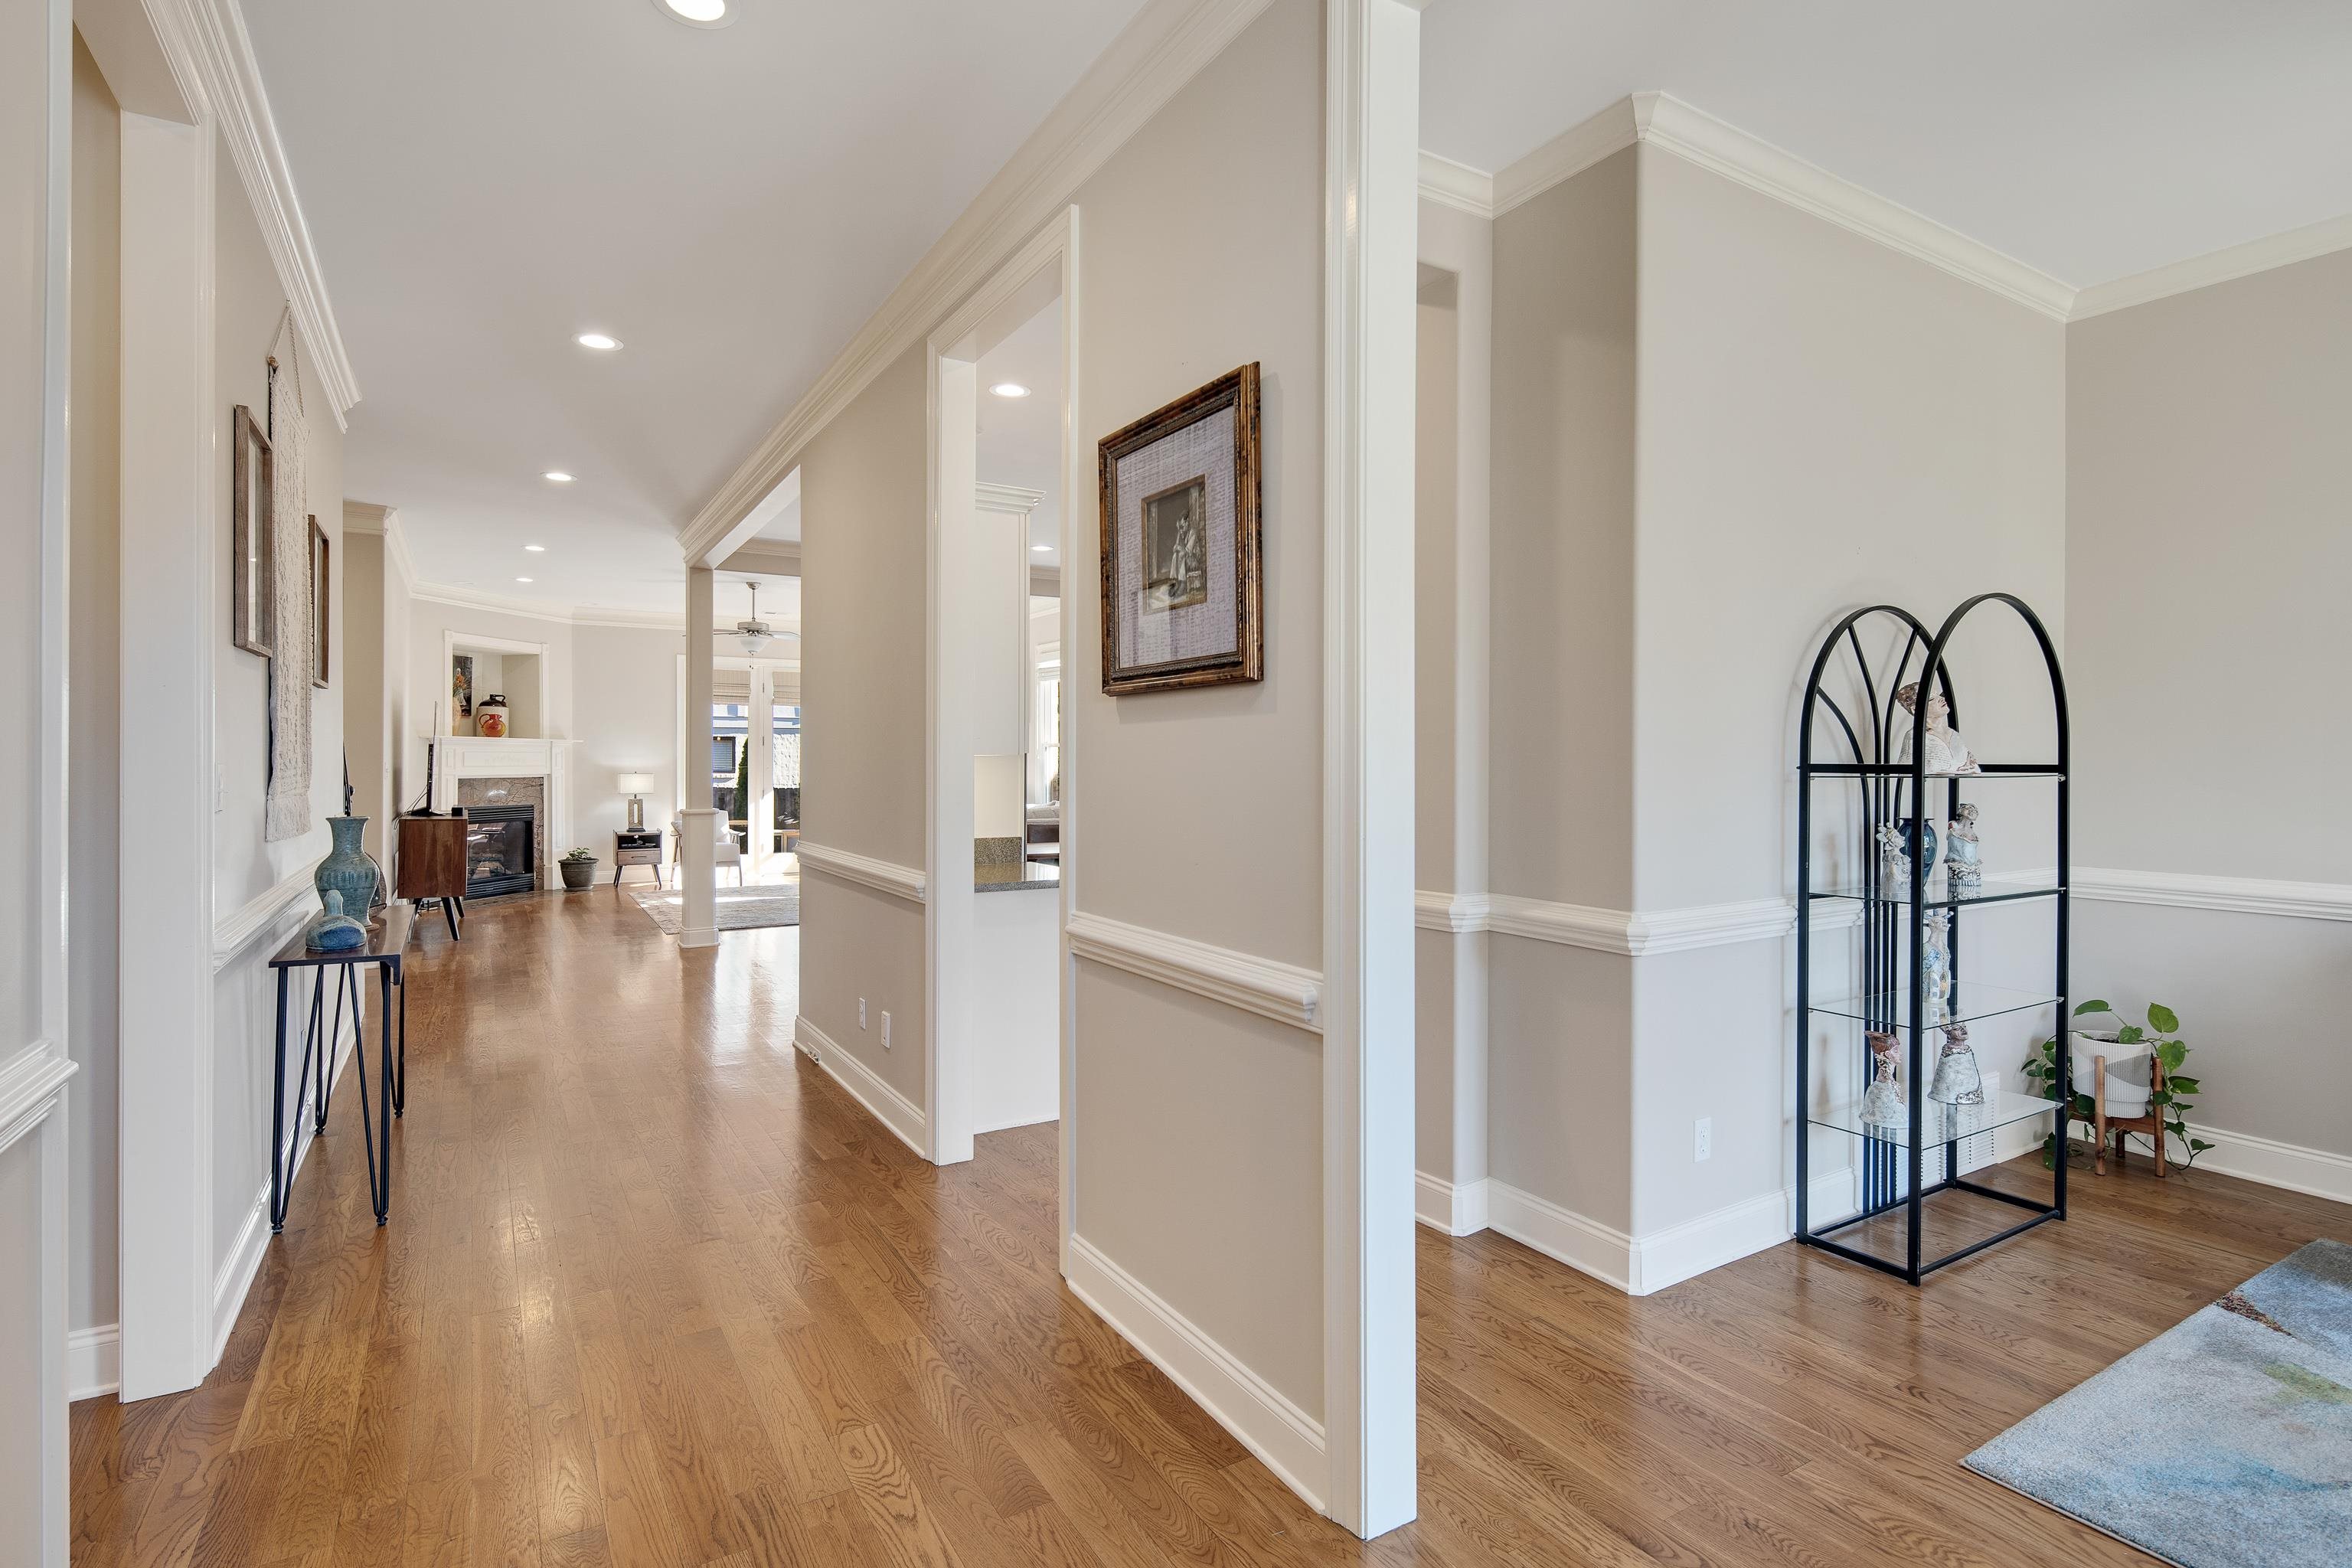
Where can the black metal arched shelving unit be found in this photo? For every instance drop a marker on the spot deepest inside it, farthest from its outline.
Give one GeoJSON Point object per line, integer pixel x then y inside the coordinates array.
{"type": "Point", "coordinates": [1898, 1168]}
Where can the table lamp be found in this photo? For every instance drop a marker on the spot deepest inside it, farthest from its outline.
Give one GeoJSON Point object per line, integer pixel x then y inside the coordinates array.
{"type": "Point", "coordinates": [636, 786]}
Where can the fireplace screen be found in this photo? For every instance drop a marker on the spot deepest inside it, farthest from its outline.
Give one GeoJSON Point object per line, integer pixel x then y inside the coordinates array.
{"type": "Point", "coordinates": [500, 856]}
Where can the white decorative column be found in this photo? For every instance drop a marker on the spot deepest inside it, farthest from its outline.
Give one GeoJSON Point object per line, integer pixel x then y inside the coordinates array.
{"type": "Point", "coordinates": [697, 875]}
{"type": "Point", "coordinates": [1371, 240]}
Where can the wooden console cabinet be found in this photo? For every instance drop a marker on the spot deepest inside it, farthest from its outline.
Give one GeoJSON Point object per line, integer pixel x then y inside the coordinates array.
{"type": "Point", "coordinates": [433, 864]}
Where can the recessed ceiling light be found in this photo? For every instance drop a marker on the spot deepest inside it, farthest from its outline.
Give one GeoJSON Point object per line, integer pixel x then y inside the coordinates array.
{"type": "Point", "coordinates": [1041, 548]}
{"type": "Point", "coordinates": [536, 549]}
{"type": "Point", "coordinates": [523, 579]}
{"type": "Point", "coordinates": [1009, 389]}
{"type": "Point", "coordinates": [603, 342]}
{"type": "Point", "coordinates": [558, 475]}
{"type": "Point", "coordinates": [698, 13]}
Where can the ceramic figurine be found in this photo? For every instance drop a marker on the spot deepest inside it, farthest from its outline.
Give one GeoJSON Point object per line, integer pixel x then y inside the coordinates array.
{"type": "Point", "coordinates": [1958, 1080]}
{"type": "Point", "coordinates": [331, 930]}
{"type": "Point", "coordinates": [1963, 859]}
{"type": "Point", "coordinates": [1894, 863]}
{"type": "Point", "coordinates": [1936, 966]}
{"type": "Point", "coordinates": [1882, 1102]}
{"type": "Point", "coordinates": [1945, 751]}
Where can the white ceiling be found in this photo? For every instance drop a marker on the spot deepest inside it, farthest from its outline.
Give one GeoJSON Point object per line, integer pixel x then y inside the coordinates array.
{"type": "Point", "coordinates": [1020, 438]}
{"type": "Point", "coordinates": [2090, 139]}
{"type": "Point", "coordinates": [484, 181]}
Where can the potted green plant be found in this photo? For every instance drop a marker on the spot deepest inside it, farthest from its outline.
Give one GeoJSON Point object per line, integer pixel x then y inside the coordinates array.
{"type": "Point", "coordinates": [579, 869]}
{"type": "Point", "coordinates": [2127, 1096]}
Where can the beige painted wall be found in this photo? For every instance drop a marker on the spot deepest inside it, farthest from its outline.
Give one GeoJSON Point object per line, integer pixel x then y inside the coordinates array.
{"type": "Point", "coordinates": [864, 759]}
{"type": "Point", "coordinates": [623, 719]}
{"type": "Point", "coordinates": [367, 719]}
{"type": "Point", "coordinates": [1190, 799]}
{"type": "Point", "coordinates": [2206, 551]}
{"type": "Point", "coordinates": [248, 298]}
{"type": "Point", "coordinates": [95, 549]}
{"type": "Point", "coordinates": [1820, 421]}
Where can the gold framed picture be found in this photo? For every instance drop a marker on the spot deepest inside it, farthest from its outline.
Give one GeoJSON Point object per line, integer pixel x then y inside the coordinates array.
{"type": "Point", "coordinates": [322, 589]}
{"type": "Point", "coordinates": [253, 608]}
{"type": "Point", "coordinates": [1182, 574]}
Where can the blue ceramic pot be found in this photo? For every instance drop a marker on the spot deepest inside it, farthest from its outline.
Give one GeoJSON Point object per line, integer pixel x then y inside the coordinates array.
{"type": "Point", "coordinates": [347, 869]}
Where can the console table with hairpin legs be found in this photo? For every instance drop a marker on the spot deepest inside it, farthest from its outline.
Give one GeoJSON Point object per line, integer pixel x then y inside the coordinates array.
{"type": "Point", "coordinates": [387, 936]}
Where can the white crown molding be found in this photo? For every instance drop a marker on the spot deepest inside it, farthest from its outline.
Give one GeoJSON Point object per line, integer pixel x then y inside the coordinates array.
{"type": "Point", "coordinates": [260, 913]}
{"type": "Point", "coordinates": [1147, 63]}
{"type": "Point", "coordinates": [895, 1110]}
{"type": "Point", "coordinates": [2230, 894]}
{"type": "Point", "coordinates": [882, 875]}
{"type": "Point", "coordinates": [458, 598]}
{"type": "Point", "coordinates": [1699, 138]}
{"type": "Point", "coordinates": [1282, 991]}
{"type": "Point", "coordinates": [2222, 266]}
{"type": "Point", "coordinates": [1456, 185]}
{"type": "Point", "coordinates": [395, 549]}
{"type": "Point", "coordinates": [30, 1086]}
{"type": "Point", "coordinates": [1289, 1442]}
{"type": "Point", "coordinates": [1567, 155]}
{"type": "Point", "coordinates": [212, 58]}
{"type": "Point", "coordinates": [365, 517]}
{"type": "Point", "coordinates": [1014, 500]}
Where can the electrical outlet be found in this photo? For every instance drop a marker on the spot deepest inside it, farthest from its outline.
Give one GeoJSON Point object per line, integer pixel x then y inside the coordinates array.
{"type": "Point", "coordinates": [886, 1031]}
{"type": "Point", "coordinates": [1703, 1139]}
{"type": "Point", "coordinates": [861, 1012]}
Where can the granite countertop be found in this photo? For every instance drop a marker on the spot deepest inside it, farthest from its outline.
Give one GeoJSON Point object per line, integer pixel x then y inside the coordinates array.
{"type": "Point", "coordinates": [1003, 878]}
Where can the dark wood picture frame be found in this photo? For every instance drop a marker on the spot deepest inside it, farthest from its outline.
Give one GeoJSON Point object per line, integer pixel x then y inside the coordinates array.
{"type": "Point", "coordinates": [1236, 391]}
{"type": "Point", "coordinates": [322, 592]}
{"type": "Point", "coordinates": [253, 577]}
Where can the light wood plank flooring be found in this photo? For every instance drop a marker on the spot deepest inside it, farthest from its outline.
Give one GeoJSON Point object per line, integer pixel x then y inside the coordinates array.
{"type": "Point", "coordinates": [656, 1291]}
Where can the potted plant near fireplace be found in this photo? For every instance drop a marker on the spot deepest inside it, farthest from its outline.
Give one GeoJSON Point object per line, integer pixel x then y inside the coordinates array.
{"type": "Point", "coordinates": [579, 870]}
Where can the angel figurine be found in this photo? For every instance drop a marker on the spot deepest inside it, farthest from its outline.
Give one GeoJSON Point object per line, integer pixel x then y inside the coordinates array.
{"type": "Point", "coordinates": [1894, 862]}
{"type": "Point", "coordinates": [1936, 964]}
{"type": "Point", "coordinates": [1945, 751]}
{"type": "Point", "coordinates": [1882, 1102]}
{"type": "Point", "coordinates": [1963, 860]}
{"type": "Point", "coordinates": [1959, 1080]}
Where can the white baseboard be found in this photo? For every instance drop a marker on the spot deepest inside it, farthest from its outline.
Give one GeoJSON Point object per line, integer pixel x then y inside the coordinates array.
{"type": "Point", "coordinates": [1584, 1244]}
{"type": "Point", "coordinates": [93, 1361]}
{"type": "Point", "coordinates": [1267, 1424]}
{"type": "Point", "coordinates": [893, 1109]}
{"type": "Point", "coordinates": [245, 1253]}
{"type": "Point", "coordinates": [2298, 1170]}
{"type": "Point", "coordinates": [1729, 1234]}
{"type": "Point", "coordinates": [1441, 1205]}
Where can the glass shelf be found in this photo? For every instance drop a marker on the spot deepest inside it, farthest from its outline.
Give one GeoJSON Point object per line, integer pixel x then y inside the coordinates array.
{"type": "Point", "coordinates": [1971, 999]}
{"type": "Point", "coordinates": [1903, 771]}
{"type": "Point", "coordinates": [1939, 1123]}
{"type": "Point", "coordinates": [1940, 895]}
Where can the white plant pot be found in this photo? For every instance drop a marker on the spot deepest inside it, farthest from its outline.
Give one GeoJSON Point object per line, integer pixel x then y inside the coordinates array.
{"type": "Point", "coordinates": [2129, 1076]}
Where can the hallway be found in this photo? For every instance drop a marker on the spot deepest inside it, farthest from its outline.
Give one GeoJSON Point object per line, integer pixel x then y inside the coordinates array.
{"type": "Point", "coordinates": [656, 1291]}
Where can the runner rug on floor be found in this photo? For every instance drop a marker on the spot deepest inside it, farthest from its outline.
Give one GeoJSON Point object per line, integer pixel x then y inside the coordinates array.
{"type": "Point", "coordinates": [740, 908]}
{"type": "Point", "coordinates": [2226, 1442]}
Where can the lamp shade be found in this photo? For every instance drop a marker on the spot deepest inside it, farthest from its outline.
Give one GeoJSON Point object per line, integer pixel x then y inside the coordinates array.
{"type": "Point", "coordinates": [636, 784]}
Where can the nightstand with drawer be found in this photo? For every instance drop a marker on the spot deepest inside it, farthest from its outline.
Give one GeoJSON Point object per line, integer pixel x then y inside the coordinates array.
{"type": "Point", "coordinates": [637, 846]}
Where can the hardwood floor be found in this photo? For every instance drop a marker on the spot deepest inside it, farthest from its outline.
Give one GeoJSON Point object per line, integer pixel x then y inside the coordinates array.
{"type": "Point", "coordinates": [656, 1291]}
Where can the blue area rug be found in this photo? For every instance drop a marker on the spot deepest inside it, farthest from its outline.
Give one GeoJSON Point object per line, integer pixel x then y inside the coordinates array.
{"type": "Point", "coordinates": [2224, 1443]}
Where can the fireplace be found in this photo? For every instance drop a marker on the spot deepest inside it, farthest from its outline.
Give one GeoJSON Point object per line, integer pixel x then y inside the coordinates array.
{"type": "Point", "coordinates": [501, 850]}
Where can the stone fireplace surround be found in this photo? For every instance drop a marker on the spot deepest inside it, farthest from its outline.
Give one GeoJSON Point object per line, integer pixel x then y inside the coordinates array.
{"type": "Point", "coordinates": [471, 771]}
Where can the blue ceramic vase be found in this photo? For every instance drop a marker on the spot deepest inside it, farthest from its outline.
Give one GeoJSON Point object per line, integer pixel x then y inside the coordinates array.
{"type": "Point", "coordinates": [330, 929]}
{"type": "Point", "coordinates": [347, 868]}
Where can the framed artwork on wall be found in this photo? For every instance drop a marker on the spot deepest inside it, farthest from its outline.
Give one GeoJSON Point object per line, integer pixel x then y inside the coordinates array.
{"type": "Point", "coordinates": [461, 687]}
{"type": "Point", "coordinates": [253, 579]}
{"type": "Point", "coordinates": [321, 591]}
{"type": "Point", "coordinates": [1182, 577]}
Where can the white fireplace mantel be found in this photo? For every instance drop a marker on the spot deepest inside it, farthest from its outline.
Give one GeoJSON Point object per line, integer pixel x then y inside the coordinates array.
{"type": "Point", "coordinates": [480, 757]}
